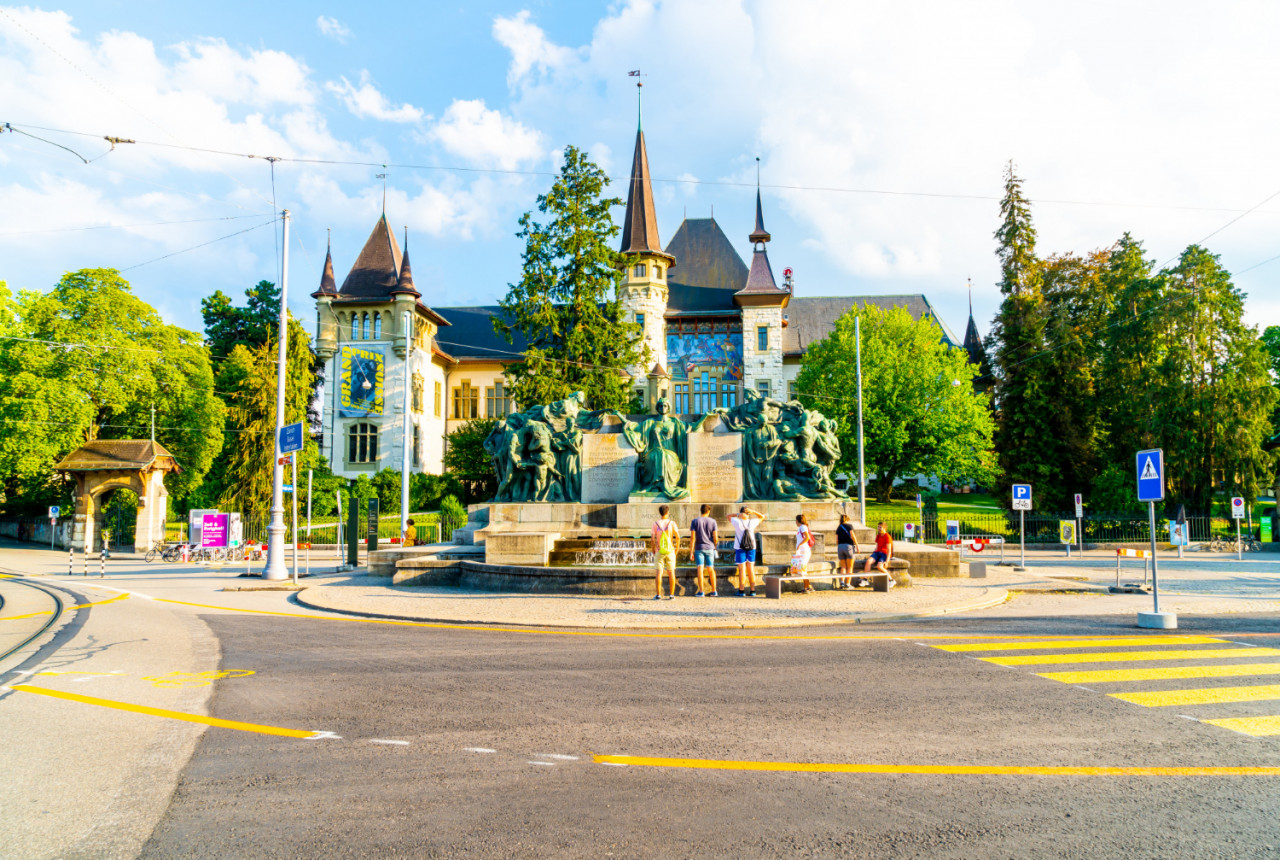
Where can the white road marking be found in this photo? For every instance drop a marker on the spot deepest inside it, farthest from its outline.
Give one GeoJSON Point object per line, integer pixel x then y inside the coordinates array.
{"type": "Point", "coordinates": [381, 741]}
{"type": "Point", "coordinates": [615, 763]}
{"type": "Point", "coordinates": [544, 763]}
{"type": "Point", "coordinates": [479, 750]}
{"type": "Point", "coordinates": [324, 736]}
{"type": "Point", "coordinates": [557, 756]}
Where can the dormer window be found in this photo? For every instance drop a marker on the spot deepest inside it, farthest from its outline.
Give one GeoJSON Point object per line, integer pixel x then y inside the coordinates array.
{"type": "Point", "coordinates": [639, 270]}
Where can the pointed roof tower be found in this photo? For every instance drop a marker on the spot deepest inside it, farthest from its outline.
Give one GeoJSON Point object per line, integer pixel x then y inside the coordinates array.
{"type": "Point", "coordinates": [404, 281]}
{"type": "Point", "coordinates": [761, 287]}
{"type": "Point", "coordinates": [377, 269]}
{"type": "Point", "coordinates": [973, 344]}
{"type": "Point", "coordinates": [328, 287]}
{"type": "Point", "coordinates": [640, 223]}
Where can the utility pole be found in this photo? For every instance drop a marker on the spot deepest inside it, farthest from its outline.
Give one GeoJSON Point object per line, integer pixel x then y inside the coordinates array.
{"type": "Point", "coordinates": [408, 425]}
{"type": "Point", "coordinates": [275, 567]}
{"type": "Point", "coordinates": [153, 422]}
{"type": "Point", "coordinates": [862, 470]}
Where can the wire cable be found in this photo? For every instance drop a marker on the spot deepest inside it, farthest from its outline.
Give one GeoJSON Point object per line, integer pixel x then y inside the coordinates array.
{"type": "Point", "coordinates": [201, 245]}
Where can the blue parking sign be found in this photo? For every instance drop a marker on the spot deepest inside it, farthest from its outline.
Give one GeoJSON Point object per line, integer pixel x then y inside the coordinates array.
{"type": "Point", "coordinates": [1022, 497]}
{"type": "Point", "coordinates": [1150, 466]}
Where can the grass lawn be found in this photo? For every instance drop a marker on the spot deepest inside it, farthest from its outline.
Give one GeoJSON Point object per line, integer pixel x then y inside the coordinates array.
{"type": "Point", "coordinates": [948, 503]}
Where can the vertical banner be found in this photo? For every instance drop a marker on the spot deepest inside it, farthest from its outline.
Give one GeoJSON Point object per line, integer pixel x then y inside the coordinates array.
{"type": "Point", "coordinates": [362, 370]}
{"type": "Point", "coordinates": [373, 524]}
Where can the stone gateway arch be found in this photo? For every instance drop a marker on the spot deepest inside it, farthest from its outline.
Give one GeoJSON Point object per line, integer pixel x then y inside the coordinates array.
{"type": "Point", "coordinates": [104, 465]}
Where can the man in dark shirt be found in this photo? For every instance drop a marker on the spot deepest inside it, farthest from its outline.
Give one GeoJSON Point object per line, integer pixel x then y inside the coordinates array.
{"type": "Point", "coordinates": [703, 540]}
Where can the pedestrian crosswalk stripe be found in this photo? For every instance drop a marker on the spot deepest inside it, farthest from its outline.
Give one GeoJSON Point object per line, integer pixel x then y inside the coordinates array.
{"type": "Point", "coordinates": [1135, 656]}
{"type": "Point", "coordinates": [1206, 696]}
{"type": "Point", "coordinates": [1163, 673]}
{"type": "Point", "coordinates": [1084, 643]}
{"type": "Point", "coordinates": [1256, 726]}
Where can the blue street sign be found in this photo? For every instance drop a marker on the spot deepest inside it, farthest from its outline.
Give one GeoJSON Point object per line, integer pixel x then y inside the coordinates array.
{"type": "Point", "coordinates": [1150, 466]}
{"type": "Point", "coordinates": [291, 438]}
{"type": "Point", "coordinates": [1022, 497]}
{"type": "Point", "coordinates": [54, 512]}
{"type": "Point", "coordinates": [288, 488]}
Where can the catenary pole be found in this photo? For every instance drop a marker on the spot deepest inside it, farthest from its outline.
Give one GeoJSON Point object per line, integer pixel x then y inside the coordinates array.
{"type": "Point", "coordinates": [275, 567]}
{"type": "Point", "coordinates": [408, 425]}
{"type": "Point", "coordinates": [293, 463]}
{"type": "Point", "coordinates": [862, 471]}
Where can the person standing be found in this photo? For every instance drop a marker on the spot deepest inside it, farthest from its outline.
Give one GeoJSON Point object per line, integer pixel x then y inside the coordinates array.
{"type": "Point", "coordinates": [804, 548]}
{"type": "Point", "coordinates": [410, 537]}
{"type": "Point", "coordinates": [745, 522]}
{"type": "Point", "coordinates": [883, 551]}
{"type": "Point", "coordinates": [665, 538]}
{"type": "Point", "coordinates": [704, 536]}
{"type": "Point", "coordinates": [846, 547]}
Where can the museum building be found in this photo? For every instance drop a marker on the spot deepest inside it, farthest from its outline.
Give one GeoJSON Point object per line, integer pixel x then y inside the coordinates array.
{"type": "Point", "coordinates": [714, 325]}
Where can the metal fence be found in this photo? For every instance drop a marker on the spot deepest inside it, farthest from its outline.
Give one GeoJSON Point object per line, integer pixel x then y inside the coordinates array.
{"type": "Point", "coordinates": [1043, 528]}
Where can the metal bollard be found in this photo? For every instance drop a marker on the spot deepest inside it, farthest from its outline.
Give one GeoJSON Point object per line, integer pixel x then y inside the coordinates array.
{"type": "Point", "coordinates": [71, 559]}
{"type": "Point", "coordinates": [102, 564]}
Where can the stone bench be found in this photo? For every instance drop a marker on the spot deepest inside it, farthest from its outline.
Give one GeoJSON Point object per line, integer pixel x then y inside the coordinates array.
{"type": "Point", "coordinates": [880, 581]}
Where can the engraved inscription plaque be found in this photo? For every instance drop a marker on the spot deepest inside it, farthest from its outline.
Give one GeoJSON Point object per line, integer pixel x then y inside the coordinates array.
{"type": "Point", "coordinates": [715, 466]}
{"type": "Point", "coordinates": [608, 468]}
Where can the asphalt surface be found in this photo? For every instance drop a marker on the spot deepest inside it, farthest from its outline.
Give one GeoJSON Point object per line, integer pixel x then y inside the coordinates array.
{"type": "Point", "coordinates": [495, 731]}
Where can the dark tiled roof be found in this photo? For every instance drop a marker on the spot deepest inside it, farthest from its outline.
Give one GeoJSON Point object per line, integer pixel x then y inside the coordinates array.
{"type": "Point", "coordinates": [977, 352]}
{"type": "Point", "coordinates": [102, 454]}
{"type": "Point", "coordinates": [760, 281]}
{"type": "Point", "coordinates": [472, 336]}
{"type": "Point", "coordinates": [640, 223]}
{"type": "Point", "coordinates": [759, 234]}
{"type": "Point", "coordinates": [809, 320]}
{"type": "Point", "coordinates": [404, 281]}
{"type": "Point", "coordinates": [685, 298]}
{"type": "Point", "coordinates": [376, 269]}
{"type": "Point", "coordinates": [706, 257]}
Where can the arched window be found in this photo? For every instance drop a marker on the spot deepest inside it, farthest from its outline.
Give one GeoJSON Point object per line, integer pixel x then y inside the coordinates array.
{"type": "Point", "coordinates": [362, 443]}
{"type": "Point", "coordinates": [355, 326]}
{"type": "Point", "coordinates": [364, 326]}
{"type": "Point", "coordinates": [377, 326]}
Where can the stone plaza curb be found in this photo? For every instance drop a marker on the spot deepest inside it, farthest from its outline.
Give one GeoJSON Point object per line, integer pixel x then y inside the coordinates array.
{"type": "Point", "coordinates": [1000, 595]}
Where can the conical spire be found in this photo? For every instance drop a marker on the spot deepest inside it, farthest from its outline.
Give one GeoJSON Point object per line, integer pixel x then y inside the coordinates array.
{"type": "Point", "coordinates": [640, 223]}
{"type": "Point", "coordinates": [328, 287]}
{"type": "Point", "coordinates": [377, 269]}
{"type": "Point", "coordinates": [404, 281]}
{"type": "Point", "coordinates": [759, 234]}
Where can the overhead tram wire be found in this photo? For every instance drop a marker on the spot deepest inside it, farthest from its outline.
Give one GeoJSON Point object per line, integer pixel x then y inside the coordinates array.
{"type": "Point", "coordinates": [678, 181]}
{"type": "Point", "coordinates": [132, 226]}
{"type": "Point", "coordinates": [201, 245]}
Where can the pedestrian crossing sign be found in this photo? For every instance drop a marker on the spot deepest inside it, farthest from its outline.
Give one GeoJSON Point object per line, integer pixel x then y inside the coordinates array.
{"type": "Point", "coordinates": [1151, 475]}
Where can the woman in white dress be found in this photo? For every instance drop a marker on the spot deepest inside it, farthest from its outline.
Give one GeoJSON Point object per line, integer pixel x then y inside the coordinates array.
{"type": "Point", "coordinates": [804, 548]}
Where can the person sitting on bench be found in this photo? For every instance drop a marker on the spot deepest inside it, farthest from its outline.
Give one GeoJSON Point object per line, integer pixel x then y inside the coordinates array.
{"type": "Point", "coordinates": [883, 551]}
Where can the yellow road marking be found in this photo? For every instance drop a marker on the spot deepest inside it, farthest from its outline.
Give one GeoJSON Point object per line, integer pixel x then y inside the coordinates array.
{"type": "Point", "coordinates": [949, 769]}
{"type": "Point", "coordinates": [124, 596]}
{"type": "Point", "coordinates": [1256, 726]}
{"type": "Point", "coordinates": [1206, 696]}
{"type": "Point", "coordinates": [1161, 673]}
{"type": "Point", "coordinates": [1085, 643]}
{"type": "Point", "coordinates": [28, 615]}
{"type": "Point", "coordinates": [1124, 656]}
{"type": "Point", "coordinates": [162, 712]}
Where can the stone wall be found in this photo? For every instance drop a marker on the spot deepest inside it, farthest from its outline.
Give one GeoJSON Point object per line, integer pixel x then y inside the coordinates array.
{"type": "Point", "coordinates": [757, 365]}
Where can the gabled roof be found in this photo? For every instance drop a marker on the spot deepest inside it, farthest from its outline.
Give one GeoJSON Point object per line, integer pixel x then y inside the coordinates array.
{"type": "Point", "coordinates": [377, 268]}
{"type": "Point", "coordinates": [472, 336]}
{"type": "Point", "coordinates": [640, 223]}
{"type": "Point", "coordinates": [810, 320]}
{"type": "Point", "coordinates": [106, 454]}
{"type": "Point", "coordinates": [706, 256]}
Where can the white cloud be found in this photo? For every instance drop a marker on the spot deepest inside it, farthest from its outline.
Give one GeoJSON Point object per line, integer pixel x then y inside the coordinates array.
{"type": "Point", "coordinates": [486, 137]}
{"type": "Point", "coordinates": [333, 29]}
{"type": "Point", "coordinates": [367, 101]}
{"type": "Point", "coordinates": [529, 46]}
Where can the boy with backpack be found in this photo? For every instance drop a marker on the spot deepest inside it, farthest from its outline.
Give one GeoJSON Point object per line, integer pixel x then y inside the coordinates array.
{"type": "Point", "coordinates": [665, 537]}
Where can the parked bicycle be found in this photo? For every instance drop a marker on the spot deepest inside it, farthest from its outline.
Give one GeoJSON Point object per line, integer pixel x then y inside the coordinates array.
{"type": "Point", "coordinates": [156, 552]}
{"type": "Point", "coordinates": [1246, 544]}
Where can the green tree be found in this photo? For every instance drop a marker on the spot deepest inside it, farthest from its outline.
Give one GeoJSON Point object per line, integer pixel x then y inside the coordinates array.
{"type": "Point", "coordinates": [1271, 346]}
{"type": "Point", "coordinates": [466, 459]}
{"type": "Point", "coordinates": [247, 380]}
{"type": "Point", "coordinates": [1025, 420]}
{"type": "Point", "coordinates": [1129, 378]}
{"type": "Point", "coordinates": [920, 412]}
{"type": "Point", "coordinates": [227, 326]}
{"type": "Point", "coordinates": [566, 303]}
{"type": "Point", "coordinates": [93, 362]}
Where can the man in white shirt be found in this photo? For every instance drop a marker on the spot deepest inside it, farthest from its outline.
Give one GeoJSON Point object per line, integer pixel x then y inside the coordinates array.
{"type": "Point", "coordinates": [745, 541]}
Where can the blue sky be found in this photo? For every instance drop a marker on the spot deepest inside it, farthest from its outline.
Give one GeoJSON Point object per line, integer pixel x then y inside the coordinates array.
{"type": "Point", "coordinates": [882, 133]}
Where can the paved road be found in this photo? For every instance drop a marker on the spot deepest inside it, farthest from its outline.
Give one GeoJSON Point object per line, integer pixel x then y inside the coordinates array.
{"type": "Point", "coordinates": [544, 704]}
{"type": "Point", "coordinates": [436, 741]}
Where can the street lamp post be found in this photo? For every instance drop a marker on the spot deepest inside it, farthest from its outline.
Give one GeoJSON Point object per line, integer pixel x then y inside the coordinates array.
{"type": "Point", "coordinates": [275, 567]}
{"type": "Point", "coordinates": [408, 431]}
{"type": "Point", "coordinates": [862, 471]}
